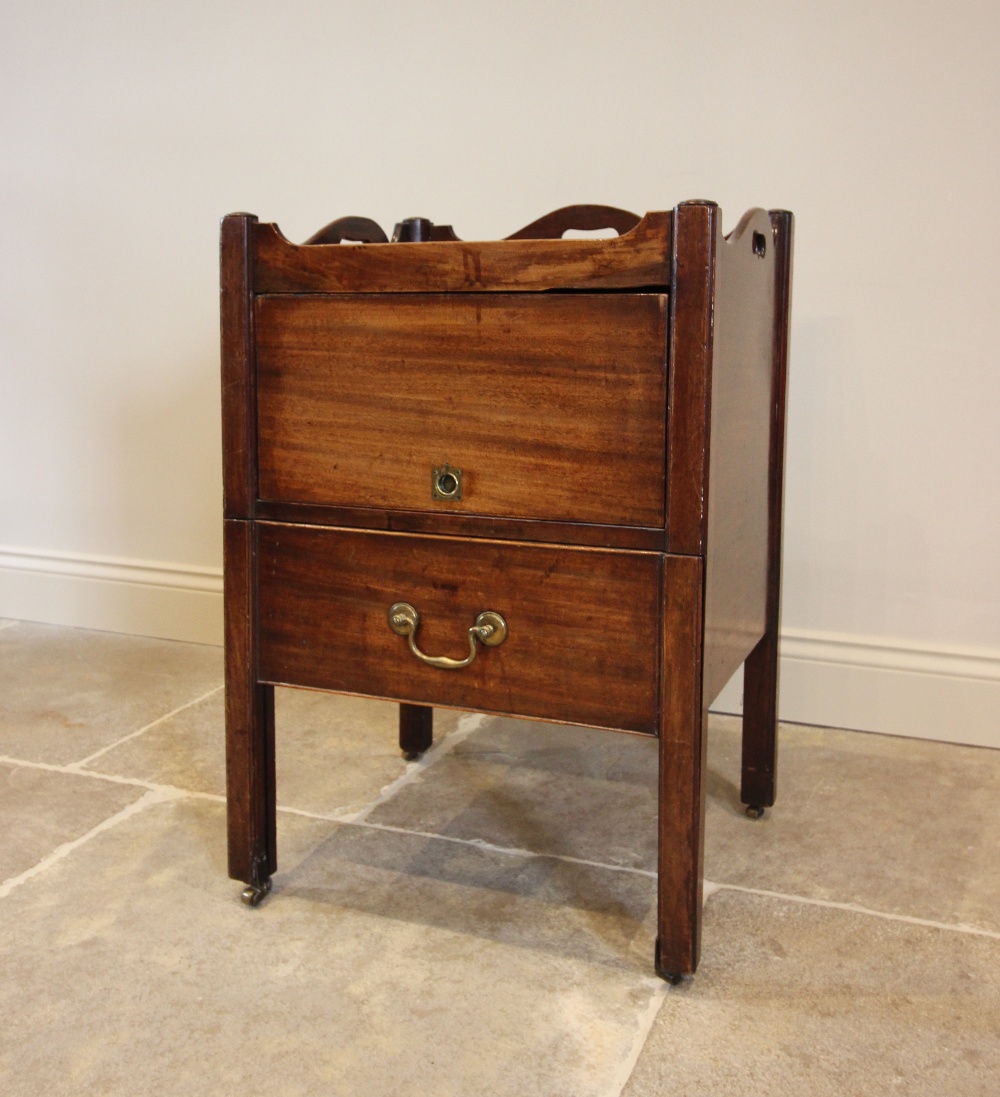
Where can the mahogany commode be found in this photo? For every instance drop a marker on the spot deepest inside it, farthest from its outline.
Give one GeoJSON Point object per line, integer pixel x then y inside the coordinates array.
{"type": "Point", "coordinates": [536, 476]}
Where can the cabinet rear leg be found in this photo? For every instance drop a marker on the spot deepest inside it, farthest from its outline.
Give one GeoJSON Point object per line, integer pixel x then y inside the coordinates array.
{"type": "Point", "coordinates": [416, 730]}
{"type": "Point", "coordinates": [760, 726]}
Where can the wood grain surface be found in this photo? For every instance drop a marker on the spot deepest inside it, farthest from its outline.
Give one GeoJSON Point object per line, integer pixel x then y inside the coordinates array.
{"type": "Point", "coordinates": [588, 218]}
{"type": "Point", "coordinates": [250, 783]}
{"type": "Point", "coordinates": [638, 258]}
{"type": "Point", "coordinates": [466, 525]}
{"type": "Point", "coordinates": [239, 486]}
{"type": "Point", "coordinates": [553, 406]}
{"type": "Point", "coordinates": [583, 638]}
{"type": "Point", "coordinates": [682, 769]}
{"type": "Point", "coordinates": [695, 238]}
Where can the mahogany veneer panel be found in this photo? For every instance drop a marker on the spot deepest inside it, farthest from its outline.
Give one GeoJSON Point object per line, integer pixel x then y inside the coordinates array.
{"type": "Point", "coordinates": [583, 635]}
{"type": "Point", "coordinates": [554, 406]}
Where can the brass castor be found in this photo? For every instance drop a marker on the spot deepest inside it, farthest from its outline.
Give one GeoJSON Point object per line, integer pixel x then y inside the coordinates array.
{"type": "Point", "coordinates": [252, 894]}
{"type": "Point", "coordinates": [755, 811]}
{"type": "Point", "coordinates": [260, 882]}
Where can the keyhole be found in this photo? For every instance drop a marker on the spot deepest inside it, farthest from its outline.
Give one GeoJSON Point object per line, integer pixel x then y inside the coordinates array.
{"type": "Point", "coordinates": [759, 245]}
{"type": "Point", "coordinates": [447, 483]}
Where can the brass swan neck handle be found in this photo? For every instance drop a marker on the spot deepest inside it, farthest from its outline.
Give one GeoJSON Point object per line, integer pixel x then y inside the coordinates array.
{"type": "Point", "coordinates": [489, 629]}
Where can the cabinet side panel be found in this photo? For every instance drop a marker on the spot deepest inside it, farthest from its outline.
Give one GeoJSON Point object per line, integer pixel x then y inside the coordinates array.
{"type": "Point", "coordinates": [760, 681]}
{"type": "Point", "coordinates": [741, 413]}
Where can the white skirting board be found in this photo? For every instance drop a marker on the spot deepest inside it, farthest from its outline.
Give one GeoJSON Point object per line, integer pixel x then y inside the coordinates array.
{"type": "Point", "coordinates": [861, 682]}
{"type": "Point", "coordinates": [143, 597]}
{"type": "Point", "coordinates": [875, 684]}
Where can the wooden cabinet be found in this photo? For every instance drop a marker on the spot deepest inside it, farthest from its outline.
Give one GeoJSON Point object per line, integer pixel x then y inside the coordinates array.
{"type": "Point", "coordinates": [535, 476]}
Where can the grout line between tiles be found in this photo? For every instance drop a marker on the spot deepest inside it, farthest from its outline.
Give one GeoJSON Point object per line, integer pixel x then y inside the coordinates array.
{"type": "Point", "coordinates": [711, 886]}
{"type": "Point", "coordinates": [153, 796]}
{"type": "Point", "coordinates": [75, 766]}
{"type": "Point", "coordinates": [510, 851]}
{"type": "Point", "coordinates": [113, 778]}
{"type": "Point", "coordinates": [466, 726]}
{"type": "Point", "coordinates": [55, 767]}
{"type": "Point", "coordinates": [856, 908]}
{"type": "Point", "coordinates": [156, 793]}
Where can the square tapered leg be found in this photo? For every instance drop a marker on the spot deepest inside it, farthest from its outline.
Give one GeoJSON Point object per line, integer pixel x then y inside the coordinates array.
{"type": "Point", "coordinates": [250, 786]}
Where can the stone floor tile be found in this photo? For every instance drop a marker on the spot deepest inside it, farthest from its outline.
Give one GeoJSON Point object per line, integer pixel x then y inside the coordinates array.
{"type": "Point", "coordinates": [40, 810]}
{"type": "Point", "coordinates": [799, 999]}
{"type": "Point", "coordinates": [332, 752]}
{"type": "Point", "coordinates": [545, 787]}
{"type": "Point", "coordinates": [537, 903]}
{"type": "Point", "coordinates": [381, 964]}
{"type": "Point", "coordinates": [898, 825]}
{"type": "Point", "coordinates": [65, 693]}
{"type": "Point", "coordinates": [904, 826]}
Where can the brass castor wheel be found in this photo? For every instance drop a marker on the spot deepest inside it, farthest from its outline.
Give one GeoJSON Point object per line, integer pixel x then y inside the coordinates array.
{"type": "Point", "coordinates": [260, 882]}
{"type": "Point", "coordinates": [674, 978]}
{"type": "Point", "coordinates": [755, 811]}
{"type": "Point", "coordinates": [252, 894]}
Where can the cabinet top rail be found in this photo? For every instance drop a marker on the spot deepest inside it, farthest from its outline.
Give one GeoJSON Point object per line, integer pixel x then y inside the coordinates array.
{"type": "Point", "coordinates": [352, 255]}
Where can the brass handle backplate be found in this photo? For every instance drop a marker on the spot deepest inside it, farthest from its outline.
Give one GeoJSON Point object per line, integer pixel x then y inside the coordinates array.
{"type": "Point", "coordinates": [490, 629]}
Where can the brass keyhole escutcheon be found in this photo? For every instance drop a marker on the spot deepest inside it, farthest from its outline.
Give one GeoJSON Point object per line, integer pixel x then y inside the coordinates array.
{"type": "Point", "coordinates": [446, 483]}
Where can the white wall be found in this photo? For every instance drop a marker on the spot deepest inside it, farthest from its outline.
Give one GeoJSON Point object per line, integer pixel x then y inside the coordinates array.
{"type": "Point", "coordinates": [128, 129]}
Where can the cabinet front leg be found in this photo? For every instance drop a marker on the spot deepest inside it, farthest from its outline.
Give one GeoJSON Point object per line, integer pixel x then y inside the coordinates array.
{"type": "Point", "coordinates": [250, 786]}
{"type": "Point", "coordinates": [682, 767]}
{"type": "Point", "coordinates": [250, 800]}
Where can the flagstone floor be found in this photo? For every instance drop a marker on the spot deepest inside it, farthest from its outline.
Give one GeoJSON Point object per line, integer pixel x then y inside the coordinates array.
{"type": "Point", "coordinates": [477, 923]}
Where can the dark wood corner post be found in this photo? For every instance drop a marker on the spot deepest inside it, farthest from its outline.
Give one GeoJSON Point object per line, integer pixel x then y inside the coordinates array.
{"type": "Point", "coordinates": [416, 730]}
{"type": "Point", "coordinates": [682, 708]}
{"type": "Point", "coordinates": [250, 793]}
{"type": "Point", "coordinates": [760, 673]}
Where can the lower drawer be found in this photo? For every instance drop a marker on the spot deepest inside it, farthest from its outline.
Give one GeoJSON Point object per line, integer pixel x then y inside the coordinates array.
{"type": "Point", "coordinates": [583, 624]}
